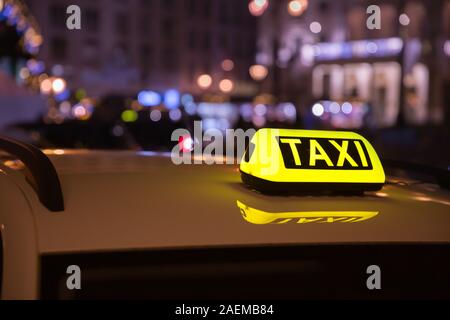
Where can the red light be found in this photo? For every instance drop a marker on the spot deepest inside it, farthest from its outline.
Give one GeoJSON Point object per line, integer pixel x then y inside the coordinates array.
{"type": "Point", "coordinates": [185, 143]}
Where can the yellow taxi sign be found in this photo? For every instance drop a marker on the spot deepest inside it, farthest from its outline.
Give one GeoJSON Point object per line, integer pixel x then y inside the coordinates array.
{"type": "Point", "coordinates": [309, 160]}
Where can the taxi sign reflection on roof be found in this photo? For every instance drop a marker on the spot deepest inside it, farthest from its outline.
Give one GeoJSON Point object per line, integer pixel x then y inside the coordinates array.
{"type": "Point", "coordinates": [307, 160]}
{"type": "Point", "coordinates": [257, 216]}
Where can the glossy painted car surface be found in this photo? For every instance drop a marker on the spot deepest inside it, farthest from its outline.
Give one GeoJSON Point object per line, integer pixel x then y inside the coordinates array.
{"type": "Point", "coordinates": [119, 201]}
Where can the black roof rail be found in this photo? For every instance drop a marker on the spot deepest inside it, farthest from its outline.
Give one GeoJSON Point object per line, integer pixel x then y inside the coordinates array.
{"type": "Point", "coordinates": [441, 176]}
{"type": "Point", "coordinates": [45, 180]}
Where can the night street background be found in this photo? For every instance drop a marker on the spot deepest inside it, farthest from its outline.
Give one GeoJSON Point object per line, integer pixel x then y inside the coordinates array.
{"type": "Point", "coordinates": [137, 70]}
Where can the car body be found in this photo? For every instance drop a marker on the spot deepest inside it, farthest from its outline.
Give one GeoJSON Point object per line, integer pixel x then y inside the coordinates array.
{"type": "Point", "coordinates": [136, 203]}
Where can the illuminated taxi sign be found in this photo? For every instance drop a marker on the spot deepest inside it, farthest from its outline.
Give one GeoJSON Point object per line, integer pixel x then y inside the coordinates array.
{"type": "Point", "coordinates": [283, 159]}
{"type": "Point", "coordinates": [256, 216]}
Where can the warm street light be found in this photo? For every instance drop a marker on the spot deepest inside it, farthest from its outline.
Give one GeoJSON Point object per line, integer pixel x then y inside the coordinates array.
{"type": "Point", "coordinates": [53, 85]}
{"type": "Point", "coordinates": [257, 7]}
{"type": "Point", "coordinates": [46, 86]}
{"type": "Point", "coordinates": [258, 72]}
{"type": "Point", "coordinates": [58, 85]}
{"type": "Point", "coordinates": [297, 7]}
{"type": "Point", "coordinates": [227, 65]}
{"type": "Point", "coordinates": [204, 81]}
{"type": "Point", "coordinates": [226, 85]}
{"type": "Point", "coordinates": [261, 3]}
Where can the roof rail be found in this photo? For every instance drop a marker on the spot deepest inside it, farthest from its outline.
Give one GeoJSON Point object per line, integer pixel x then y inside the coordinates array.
{"type": "Point", "coordinates": [441, 176]}
{"type": "Point", "coordinates": [44, 178]}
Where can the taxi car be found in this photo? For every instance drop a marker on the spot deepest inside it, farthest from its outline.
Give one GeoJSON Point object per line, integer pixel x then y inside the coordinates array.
{"type": "Point", "coordinates": [138, 226]}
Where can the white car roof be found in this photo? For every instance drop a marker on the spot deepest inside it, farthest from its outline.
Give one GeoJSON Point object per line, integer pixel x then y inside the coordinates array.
{"type": "Point", "coordinates": [118, 200]}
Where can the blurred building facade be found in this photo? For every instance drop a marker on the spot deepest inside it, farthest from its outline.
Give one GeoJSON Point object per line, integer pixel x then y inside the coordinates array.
{"type": "Point", "coordinates": [328, 53]}
{"type": "Point", "coordinates": [20, 40]}
{"type": "Point", "coordinates": [126, 46]}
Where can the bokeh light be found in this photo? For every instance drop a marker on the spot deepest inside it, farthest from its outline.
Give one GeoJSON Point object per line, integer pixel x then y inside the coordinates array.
{"type": "Point", "coordinates": [58, 85]}
{"type": "Point", "coordinates": [226, 85]}
{"type": "Point", "coordinates": [315, 27]}
{"type": "Point", "coordinates": [155, 115]}
{"type": "Point", "coordinates": [334, 107]}
{"type": "Point", "coordinates": [186, 143]}
{"type": "Point", "coordinates": [347, 107]}
{"type": "Point", "coordinates": [318, 109]}
{"type": "Point", "coordinates": [46, 86]}
{"type": "Point", "coordinates": [172, 99]}
{"type": "Point", "coordinates": [227, 65]}
{"type": "Point", "coordinates": [129, 116]}
{"type": "Point", "coordinates": [204, 81]}
{"type": "Point", "coordinates": [257, 7]}
{"type": "Point", "coordinates": [80, 112]}
{"type": "Point", "coordinates": [149, 98]}
{"type": "Point", "coordinates": [260, 110]}
{"type": "Point", "coordinates": [404, 19]}
{"type": "Point", "coordinates": [258, 72]}
{"type": "Point", "coordinates": [175, 115]}
{"type": "Point", "coordinates": [297, 7]}
{"type": "Point", "coordinates": [371, 47]}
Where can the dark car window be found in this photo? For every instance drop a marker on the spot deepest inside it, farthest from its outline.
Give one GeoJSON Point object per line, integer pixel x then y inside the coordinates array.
{"type": "Point", "coordinates": [261, 273]}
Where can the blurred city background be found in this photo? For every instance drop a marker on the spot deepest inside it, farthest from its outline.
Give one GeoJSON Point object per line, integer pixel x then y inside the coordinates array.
{"type": "Point", "coordinates": [138, 69]}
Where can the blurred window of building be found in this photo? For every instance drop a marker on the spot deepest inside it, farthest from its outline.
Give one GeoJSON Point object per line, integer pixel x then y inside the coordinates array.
{"type": "Point", "coordinates": [386, 92]}
{"type": "Point", "coordinates": [206, 67]}
{"type": "Point", "coordinates": [236, 45]}
{"type": "Point", "coordinates": [237, 16]}
{"type": "Point", "coordinates": [191, 7]}
{"type": "Point", "coordinates": [192, 69]}
{"type": "Point", "coordinates": [144, 25]}
{"type": "Point", "coordinates": [416, 18]}
{"type": "Point", "coordinates": [323, 7]}
{"type": "Point", "coordinates": [223, 43]}
{"type": "Point", "coordinates": [145, 52]}
{"type": "Point", "coordinates": [168, 28]}
{"type": "Point", "coordinates": [416, 94]}
{"type": "Point", "coordinates": [356, 22]}
{"type": "Point", "coordinates": [57, 16]}
{"type": "Point", "coordinates": [170, 59]}
{"type": "Point", "coordinates": [223, 12]}
{"type": "Point", "coordinates": [146, 4]}
{"type": "Point", "coordinates": [206, 41]}
{"type": "Point", "coordinates": [241, 47]}
{"type": "Point", "coordinates": [207, 9]}
{"type": "Point", "coordinates": [168, 5]}
{"type": "Point", "coordinates": [58, 49]}
{"type": "Point", "coordinates": [191, 40]}
{"type": "Point", "coordinates": [90, 52]}
{"type": "Point", "coordinates": [122, 23]}
{"type": "Point", "coordinates": [328, 82]}
{"type": "Point", "coordinates": [120, 55]}
{"type": "Point", "coordinates": [389, 22]}
{"type": "Point", "coordinates": [446, 20]}
{"type": "Point", "coordinates": [91, 19]}
{"type": "Point", "coordinates": [146, 60]}
{"type": "Point", "coordinates": [358, 81]}
{"type": "Point", "coordinates": [323, 37]}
